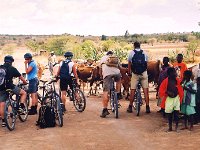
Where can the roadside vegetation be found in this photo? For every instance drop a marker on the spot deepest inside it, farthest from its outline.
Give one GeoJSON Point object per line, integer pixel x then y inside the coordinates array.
{"type": "Point", "coordinates": [94, 47]}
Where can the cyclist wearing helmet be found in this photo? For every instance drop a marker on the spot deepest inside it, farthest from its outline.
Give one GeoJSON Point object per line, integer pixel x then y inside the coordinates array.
{"type": "Point", "coordinates": [66, 71]}
{"type": "Point", "coordinates": [52, 61]}
{"type": "Point", "coordinates": [31, 71]}
{"type": "Point", "coordinates": [11, 72]}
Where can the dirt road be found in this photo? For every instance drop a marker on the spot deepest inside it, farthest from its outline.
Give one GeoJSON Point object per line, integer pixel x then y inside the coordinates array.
{"type": "Point", "coordinates": [87, 131]}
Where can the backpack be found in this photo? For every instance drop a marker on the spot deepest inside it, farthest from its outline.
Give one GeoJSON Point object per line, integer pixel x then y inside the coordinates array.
{"type": "Point", "coordinates": [139, 65]}
{"type": "Point", "coordinates": [3, 77]}
{"type": "Point", "coordinates": [46, 117]}
{"type": "Point", "coordinates": [64, 70]}
{"type": "Point", "coordinates": [112, 61]}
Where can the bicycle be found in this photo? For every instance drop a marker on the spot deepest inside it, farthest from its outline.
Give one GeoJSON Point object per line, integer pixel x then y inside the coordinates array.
{"type": "Point", "coordinates": [51, 97]}
{"type": "Point", "coordinates": [24, 87]}
{"type": "Point", "coordinates": [13, 108]}
{"type": "Point", "coordinates": [77, 96]}
{"type": "Point", "coordinates": [137, 103]}
{"type": "Point", "coordinates": [114, 103]}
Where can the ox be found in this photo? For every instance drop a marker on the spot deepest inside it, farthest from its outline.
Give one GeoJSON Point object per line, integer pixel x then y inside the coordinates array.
{"type": "Point", "coordinates": [153, 70]}
{"type": "Point", "coordinates": [41, 69]}
{"type": "Point", "coordinates": [89, 74]}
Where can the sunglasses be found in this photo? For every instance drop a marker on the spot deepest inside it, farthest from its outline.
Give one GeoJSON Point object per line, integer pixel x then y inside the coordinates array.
{"type": "Point", "coordinates": [26, 59]}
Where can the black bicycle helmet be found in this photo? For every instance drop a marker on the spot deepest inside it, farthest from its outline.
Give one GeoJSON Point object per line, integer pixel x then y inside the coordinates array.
{"type": "Point", "coordinates": [28, 55]}
{"type": "Point", "coordinates": [8, 59]}
{"type": "Point", "coordinates": [109, 53]}
{"type": "Point", "coordinates": [68, 54]}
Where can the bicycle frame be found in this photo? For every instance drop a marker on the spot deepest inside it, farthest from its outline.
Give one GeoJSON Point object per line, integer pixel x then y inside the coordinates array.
{"type": "Point", "coordinates": [12, 110]}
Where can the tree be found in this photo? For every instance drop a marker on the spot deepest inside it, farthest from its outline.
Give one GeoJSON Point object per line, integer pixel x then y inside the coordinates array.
{"type": "Point", "coordinates": [126, 34]}
{"type": "Point", "coordinates": [103, 38]}
{"type": "Point", "coordinates": [88, 49]}
{"type": "Point", "coordinates": [192, 47]}
{"type": "Point", "coordinates": [33, 45]}
{"type": "Point", "coordinates": [106, 45]}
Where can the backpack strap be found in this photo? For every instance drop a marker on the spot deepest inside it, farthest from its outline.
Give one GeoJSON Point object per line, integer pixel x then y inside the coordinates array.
{"type": "Point", "coordinates": [141, 51]}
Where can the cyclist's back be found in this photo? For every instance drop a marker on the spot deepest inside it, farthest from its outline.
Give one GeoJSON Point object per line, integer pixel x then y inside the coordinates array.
{"type": "Point", "coordinates": [11, 72]}
{"type": "Point", "coordinates": [66, 71]}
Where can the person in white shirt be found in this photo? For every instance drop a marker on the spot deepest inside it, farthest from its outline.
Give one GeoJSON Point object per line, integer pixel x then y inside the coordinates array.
{"type": "Point", "coordinates": [109, 72]}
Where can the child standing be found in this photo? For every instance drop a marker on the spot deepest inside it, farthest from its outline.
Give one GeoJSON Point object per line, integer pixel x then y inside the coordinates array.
{"type": "Point", "coordinates": [162, 76]}
{"type": "Point", "coordinates": [197, 108]}
{"type": "Point", "coordinates": [171, 93]}
{"type": "Point", "coordinates": [180, 66]}
{"type": "Point", "coordinates": [188, 105]}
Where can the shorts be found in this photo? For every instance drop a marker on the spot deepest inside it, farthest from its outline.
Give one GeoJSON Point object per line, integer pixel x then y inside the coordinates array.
{"type": "Point", "coordinates": [64, 84]}
{"type": "Point", "coordinates": [172, 104]}
{"type": "Point", "coordinates": [135, 79]}
{"type": "Point", "coordinates": [107, 81]}
{"type": "Point", "coordinates": [4, 96]}
{"type": "Point", "coordinates": [33, 85]}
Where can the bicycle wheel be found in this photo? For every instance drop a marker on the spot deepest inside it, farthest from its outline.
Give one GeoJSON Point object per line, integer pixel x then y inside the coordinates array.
{"type": "Point", "coordinates": [23, 112]}
{"type": "Point", "coordinates": [138, 96]}
{"type": "Point", "coordinates": [9, 116]}
{"type": "Point", "coordinates": [58, 109]}
{"type": "Point", "coordinates": [79, 100]}
{"type": "Point", "coordinates": [116, 105]}
{"type": "Point", "coordinates": [112, 94]}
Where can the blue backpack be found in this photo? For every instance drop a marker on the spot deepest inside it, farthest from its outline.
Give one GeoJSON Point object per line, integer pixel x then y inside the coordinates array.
{"type": "Point", "coordinates": [139, 64]}
{"type": "Point", "coordinates": [64, 70]}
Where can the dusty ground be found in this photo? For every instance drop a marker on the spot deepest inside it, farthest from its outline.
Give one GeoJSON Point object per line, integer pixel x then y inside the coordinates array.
{"type": "Point", "coordinates": [88, 131]}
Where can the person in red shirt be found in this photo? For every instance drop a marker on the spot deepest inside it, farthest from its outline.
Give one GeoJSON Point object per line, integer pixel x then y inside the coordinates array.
{"type": "Point", "coordinates": [171, 93]}
{"type": "Point", "coordinates": [180, 66]}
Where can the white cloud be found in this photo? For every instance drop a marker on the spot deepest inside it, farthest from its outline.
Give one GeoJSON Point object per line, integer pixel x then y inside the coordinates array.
{"type": "Point", "coordinates": [97, 17]}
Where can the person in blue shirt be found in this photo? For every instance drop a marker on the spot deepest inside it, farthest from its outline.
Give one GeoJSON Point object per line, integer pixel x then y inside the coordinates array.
{"type": "Point", "coordinates": [31, 71]}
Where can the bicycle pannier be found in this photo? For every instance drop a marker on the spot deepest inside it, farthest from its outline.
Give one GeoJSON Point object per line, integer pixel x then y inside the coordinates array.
{"type": "Point", "coordinates": [112, 61]}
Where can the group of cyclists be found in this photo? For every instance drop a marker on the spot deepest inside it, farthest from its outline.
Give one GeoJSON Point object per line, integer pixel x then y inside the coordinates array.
{"type": "Point", "coordinates": [109, 69]}
{"type": "Point", "coordinates": [65, 73]}
{"type": "Point", "coordinates": [7, 83]}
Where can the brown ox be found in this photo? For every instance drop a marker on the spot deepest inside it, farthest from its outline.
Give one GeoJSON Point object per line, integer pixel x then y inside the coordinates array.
{"type": "Point", "coordinates": [153, 70]}
{"type": "Point", "coordinates": [89, 74]}
{"type": "Point", "coordinates": [41, 69]}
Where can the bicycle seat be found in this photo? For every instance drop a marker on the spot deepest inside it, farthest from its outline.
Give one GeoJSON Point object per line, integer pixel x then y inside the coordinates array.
{"type": "Point", "coordinates": [53, 80]}
{"type": "Point", "coordinates": [42, 86]}
{"type": "Point", "coordinates": [9, 90]}
{"type": "Point", "coordinates": [43, 81]}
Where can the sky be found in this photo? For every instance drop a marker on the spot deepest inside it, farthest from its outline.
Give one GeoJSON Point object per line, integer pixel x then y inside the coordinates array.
{"type": "Point", "coordinates": [98, 17]}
